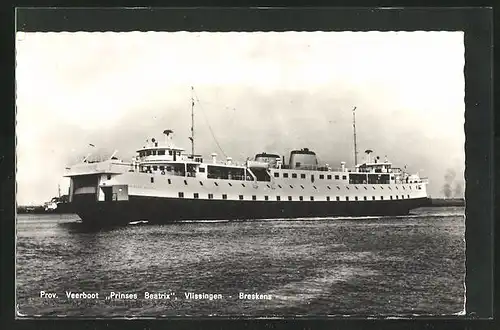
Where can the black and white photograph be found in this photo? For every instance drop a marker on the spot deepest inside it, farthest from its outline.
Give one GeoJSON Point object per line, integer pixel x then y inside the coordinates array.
{"type": "Point", "coordinates": [240, 174]}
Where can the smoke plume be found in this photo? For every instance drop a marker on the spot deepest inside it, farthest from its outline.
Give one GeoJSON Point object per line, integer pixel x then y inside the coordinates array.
{"type": "Point", "coordinates": [452, 189]}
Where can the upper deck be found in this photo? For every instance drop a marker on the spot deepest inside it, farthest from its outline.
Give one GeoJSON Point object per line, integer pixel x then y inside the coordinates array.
{"type": "Point", "coordinates": [168, 159]}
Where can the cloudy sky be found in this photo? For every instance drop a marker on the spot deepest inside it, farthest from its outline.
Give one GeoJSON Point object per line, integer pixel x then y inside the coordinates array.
{"type": "Point", "coordinates": [259, 92]}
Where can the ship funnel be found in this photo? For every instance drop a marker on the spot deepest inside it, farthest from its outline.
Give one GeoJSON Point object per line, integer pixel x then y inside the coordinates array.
{"type": "Point", "coordinates": [214, 158]}
{"type": "Point", "coordinates": [368, 157]}
{"type": "Point", "coordinates": [342, 165]}
{"type": "Point", "coordinates": [168, 136]}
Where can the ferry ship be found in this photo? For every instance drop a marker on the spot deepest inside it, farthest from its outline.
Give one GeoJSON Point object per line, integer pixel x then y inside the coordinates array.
{"type": "Point", "coordinates": [163, 183]}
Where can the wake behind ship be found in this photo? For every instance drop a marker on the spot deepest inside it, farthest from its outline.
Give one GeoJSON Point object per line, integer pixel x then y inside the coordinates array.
{"type": "Point", "coordinates": [165, 184]}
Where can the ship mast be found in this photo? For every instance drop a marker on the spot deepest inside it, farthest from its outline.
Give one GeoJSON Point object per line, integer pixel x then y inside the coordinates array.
{"type": "Point", "coordinates": [355, 144]}
{"type": "Point", "coordinates": [192, 123]}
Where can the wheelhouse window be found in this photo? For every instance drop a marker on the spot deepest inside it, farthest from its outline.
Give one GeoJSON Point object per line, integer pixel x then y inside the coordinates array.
{"type": "Point", "coordinates": [196, 195]}
{"type": "Point", "coordinates": [162, 168]}
{"type": "Point", "coordinates": [390, 197]}
{"type": "Point", "coordinates": [241, 197]}
{"type": "Point", "coordinates": [312, 198]}
{"type": "Point", "coordinates": [356, 198]}
{"type": "Point", "coordinates": [336, 177]}
{"type": "Point", "coordinates": [254, 198]}
{"type": "Point", "coordinates": [373, 197]}
{"type": "Point", "coordinates": [153, 152]}
{"type": "Point", "coordinates": [302, 176]}
{"type": "Point", "coordinates": [224, 196]}
{"type": "Point", "coordinates": [289, 198]}
{"type": "Point", "coordinates": [152, 180]}
{"type": "Point", "coordinates": [329, 176]}
{"type": "Point", "coordinates": [381, 198]}
{"type": "Point", "coordinates": [322, 176]}
{"type": "Point", "coordinates": [346, 198]}
{"type": "Point", "coordinates": [276, 175]}
{"type": "Point", "coordinates": [266, 198]}
{"type": "Point", "coordinates": [161, 152]}
{"type": "Point", "coordinates": [170, 152]}
{"type": "Point", "coordinates": [201, 170]}
{"type": "Point", "coordinates": [181, 195]}
{"type": "Point", "coordinates": [337, 198]}
{"type": "Point", "coordinates": [148, 153]}
{"type": "Point", "coordinates": [301, 198]}
{"type": "Point", "coordinates": [210, 196]}
{"type": "Point", "coordinates": [285, 175]}
{"type": "Point", "coordinates": [294, 175]}
{"type": "Point", "coordinates": [364, 197]}
{"type": "Point", "coordinates": [278, 198]}
{"type": "Point", "coordinates": [402, 197]}
{"type": "Point", "coordinates": [169, 181]}
{"type": "Point", "coordinates": [327, 198]}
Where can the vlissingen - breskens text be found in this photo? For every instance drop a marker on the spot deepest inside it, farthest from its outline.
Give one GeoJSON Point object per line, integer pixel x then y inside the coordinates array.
{"type": "Point", "coordinates": [82, 295]}
{"type": "Point", "coordinates": [254, 296]}
{"type": "Point", "coordinates": [206, 296]}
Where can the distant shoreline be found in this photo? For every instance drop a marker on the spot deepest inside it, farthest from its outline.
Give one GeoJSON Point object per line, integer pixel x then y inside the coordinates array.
{"type": "Point", "coordinates": [447, 202]}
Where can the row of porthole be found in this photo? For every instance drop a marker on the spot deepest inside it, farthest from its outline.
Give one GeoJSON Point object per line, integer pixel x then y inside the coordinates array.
{"type": "Point", "coordinates": [290, 198]}
{"type": "Point", "coordinates": [303, 176]}
{"type": "Point", "coordinates": [243, 185]}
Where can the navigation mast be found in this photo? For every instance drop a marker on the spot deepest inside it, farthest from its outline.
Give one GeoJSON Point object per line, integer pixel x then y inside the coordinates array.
{"type": "Point", "coordinates": [192, 123]}
{"type": "Point", "coordinates": [355, 145]}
